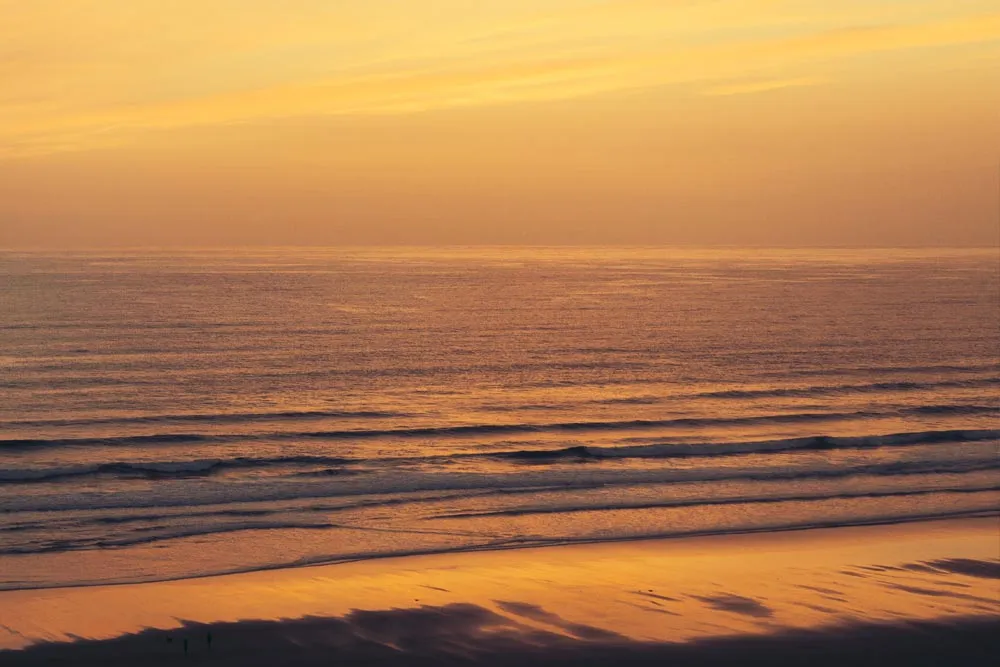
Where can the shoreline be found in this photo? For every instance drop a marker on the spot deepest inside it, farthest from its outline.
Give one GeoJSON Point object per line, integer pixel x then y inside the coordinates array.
{"type": "Point", "coordinates": [331, 562]}
{"type": "Point", "coordinates": [639, 593]}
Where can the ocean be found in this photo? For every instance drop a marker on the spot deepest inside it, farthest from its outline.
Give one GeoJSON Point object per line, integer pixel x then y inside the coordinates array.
{"type": "Point", "coordinates": [168, 414]}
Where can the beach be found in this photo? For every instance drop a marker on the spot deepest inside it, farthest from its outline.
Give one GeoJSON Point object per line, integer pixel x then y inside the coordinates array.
{"type": "Point", "coordinates": [924, 590]}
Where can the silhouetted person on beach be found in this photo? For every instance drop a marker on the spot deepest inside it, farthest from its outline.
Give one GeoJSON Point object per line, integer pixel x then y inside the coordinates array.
{"type": "Point", "coordinates": [185, 646]}
{"type": "Point", "coordinates": [208, 640]}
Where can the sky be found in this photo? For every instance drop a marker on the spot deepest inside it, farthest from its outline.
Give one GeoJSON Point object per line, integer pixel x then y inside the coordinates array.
{"type": "Point", "coordinates": [397, 122]}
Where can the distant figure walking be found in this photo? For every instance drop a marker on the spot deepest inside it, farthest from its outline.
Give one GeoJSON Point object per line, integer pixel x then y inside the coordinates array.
{"type": "Point", "coordinates": [208, 640]}
{"type": "Point", "coordinates": [185, 646]}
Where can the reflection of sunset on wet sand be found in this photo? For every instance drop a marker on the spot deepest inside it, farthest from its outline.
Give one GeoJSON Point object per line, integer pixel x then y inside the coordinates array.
{"type": "Point", "coordinates": [568, 599]}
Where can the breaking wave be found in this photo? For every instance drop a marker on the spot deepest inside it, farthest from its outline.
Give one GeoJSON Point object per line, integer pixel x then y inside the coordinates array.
{"type": "Point", "coordinates": [490, 429]}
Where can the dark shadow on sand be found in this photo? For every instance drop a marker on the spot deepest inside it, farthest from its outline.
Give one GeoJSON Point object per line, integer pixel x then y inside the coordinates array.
{"type": "Point", "coordinates": [466, 634]}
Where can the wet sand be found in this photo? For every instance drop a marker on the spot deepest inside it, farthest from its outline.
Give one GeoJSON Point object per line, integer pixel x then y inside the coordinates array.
{"type": "Point", "coordinates": [921, 593]}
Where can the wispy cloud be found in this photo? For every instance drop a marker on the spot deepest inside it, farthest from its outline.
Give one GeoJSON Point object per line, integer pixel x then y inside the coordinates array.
{"type": "Point", "coordinates": [84, 75]}
{"type": "Point", "coordinates": [749, 87]}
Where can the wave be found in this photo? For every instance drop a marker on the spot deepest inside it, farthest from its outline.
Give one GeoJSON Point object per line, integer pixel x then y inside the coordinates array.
{"type": "Point", "coordinates": [630, 400]}
{"type": "Point", "coordinates": [125, 440]}
{"type": "Point", "coordinates": [152, 537]}
{"type": "Point", "coordinates": [970, 367]}
{"type": "Point", "coordinates": [826, 390]}
{"type": "Point", "coordinates": [955, 409]}
{"type": "Point", "coordinates": [332, 465]}
{"type": "Point", "coordinates": [816, 443]}
{"type": "Point", "coordinates": [162, 469]}
{"type": "Point", "coordinates": [490, 429]}
{"type": "Point", "coordinates": [526, 481]}
{"type": "Point", "coordinates": [182, 514]}
{"type": "Point", "coordinates": [213, 418]}
{"type": "Point", "coordinates": [706, 502]}
{"type": "Point", "coordinates": [784, 374]}
{"type": "Point", "coordinates": [178, 526]}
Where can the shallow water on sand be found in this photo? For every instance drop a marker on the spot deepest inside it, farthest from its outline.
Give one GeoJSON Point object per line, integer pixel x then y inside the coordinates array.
{"type": "Point", "coordinates": [172, 414]}
{"type": "Point", "coordinates": [877, 591]}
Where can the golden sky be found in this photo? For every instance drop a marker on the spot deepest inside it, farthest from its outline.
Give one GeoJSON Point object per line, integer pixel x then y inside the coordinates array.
{"type": "Point", "coordinates": [774, 122]}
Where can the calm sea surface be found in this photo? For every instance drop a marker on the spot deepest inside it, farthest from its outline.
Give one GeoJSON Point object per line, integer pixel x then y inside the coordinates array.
{"type": "Point", "coordinates": [172, 414]}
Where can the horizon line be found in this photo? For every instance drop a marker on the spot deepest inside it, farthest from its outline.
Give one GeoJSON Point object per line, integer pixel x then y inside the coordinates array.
{"type": "Point", "coordinates": [685, 246]}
